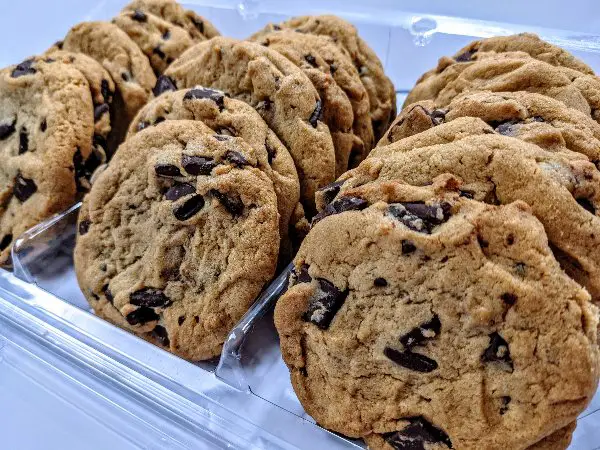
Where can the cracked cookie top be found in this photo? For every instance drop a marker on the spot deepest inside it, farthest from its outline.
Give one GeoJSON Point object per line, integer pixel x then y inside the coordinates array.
{"type": "Point", "coordinates": [46, 135]}
{"type": "Point", "coordinates": [282, 94]}
{"type": "Point", "coordinates": [562, 190]}
{"type": "Point", "coordinates": [529, 117]}
{"type": "Point", "coordinates": [231, 117]}
{"type": "Point", "coordinates": [381, 92]}
{"type": "Point", "coordinates": [417, 315]}
{"type": "Point", "coordinates": [509, 72]}
{"type": "Point", "coordinates": [178, 236]}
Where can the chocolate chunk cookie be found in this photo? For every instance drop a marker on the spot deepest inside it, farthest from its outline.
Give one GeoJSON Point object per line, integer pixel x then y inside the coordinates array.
{"type": "Point", "coordinates": [46, 130]}
{"type": "Point", "coordinates": [562, 190]}
{"type": "Point", "coordinates": [382, 95]}
{"type": "Point", "coordinates": [277, 89]}
{"type": "Point", "coordinates": [161, 41]}
{"type": "Point", "coordinates": [411, 323]}
{"type": "Point", "coordinates": [524, 42]}
{"type": "Point", "coordinates": [102, 89]}
{"type": "Point", "coordinates": [321, 61]}
{"type": "Point", "coordinates": [559, 440]}
{"type": "Point", "coordinates": [197, 27]}
{"type": "Point", "coordinates": [231, 117]}
{"type": "Point", "coordinates": [530, 117]}
{"type": "Point", "coordinates": [509, 72]}
{"type": "Point", "coordinates": [124, 61]}
{"type": "Point", "coordinates": [177, 237]}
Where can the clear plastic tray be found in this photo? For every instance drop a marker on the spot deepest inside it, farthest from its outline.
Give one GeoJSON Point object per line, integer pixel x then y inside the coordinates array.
{"type": "Point", "coordinates": [146, 397]}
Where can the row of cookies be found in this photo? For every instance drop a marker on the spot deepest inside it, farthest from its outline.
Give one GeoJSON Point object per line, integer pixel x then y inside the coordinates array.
{"type": "Point", "coordinates": [63, 113]}
{"type": "Point", "coordinates": [447, 293]}
{"type": "Point", "coordinates": [211, 188]}
{"type": "Point", "coordinates": [313, 80]}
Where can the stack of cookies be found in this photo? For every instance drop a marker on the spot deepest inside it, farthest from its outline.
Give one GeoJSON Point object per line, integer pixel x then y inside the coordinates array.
{"type": "Point", "coordinates": [446, 295]}
{"type": "Point", "coordinates": [215, 181]}
{"type": "Point", "coordinates": [62, 114]}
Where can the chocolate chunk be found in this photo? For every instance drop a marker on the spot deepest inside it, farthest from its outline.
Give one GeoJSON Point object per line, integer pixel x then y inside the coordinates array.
{"type": "Point", "coordinates": [410, 360]}
{"type": "Point", "coordinates": [25, 68]}
{"type": "Point", "coordinates": [505, 402]}
{"type": "Point", "coordinates": [84, 226]}
{"type": "Point", "coordinates": [497, 351]}
{"type": "Point", "coordinates": [437, 116]}
{"type": "Point", "coordinates": [332, 68]}
{"type": "Point", "coordinates": [81, 172]}
{"type": "Point", "coordinates": [166, 35]}
{"type": "Point", "coordinates": [126, 76]}
{"type": "Point", "coordinates": [276, 27]}
{"type": "Point", "coordinates": [482, 242]}
{"type": "Point", "coordinates": [408, 247]}
{"type": "Point", "coordinates": [420, 334]}
{"type": "Point", "coordinates": [43, 125]}
{"type": "Point", "coordinates": [419, 216]}
{"type": "Point", "coordinates": [108, 294]}
{"type": "Point", "coordinates": [150, 297]}
{"type": "Point", "coordinates": [158, 52]}
{"type": "Point", "coordinates": [330, 191]}
{"type": "Point", "coordinates": [6, 129]}
{"type": "Point", "coordinates": [198, 165]}
{"type": "Point", "coordinates": [198, 24]}
{"type": "Point", "coordinates": [211, 94]}
{"type": "Point", "coordinates": [234, 205]}
{"type": "Point", "coordinates": [139, 16]}
{"type": "Point", "coordinates": [5, 242]}
{"type": "Point", "coordinates": [180, 320]}
{"type": "Point", "coordinates": [466, 56]}
{"type": "Point", "coordinates": [510, 239]}
{"type": "Point", "coordinates": [300, 276]}
{"type": "Point", "coordinates": [141, 316]}
{"type": "Point", "coordinates": [317, 114]}
{"type": "Point", "coordinates": [416, 434]}
{"type": "Point", "coordinates": [235, 158]}
{"type": "Point", "coordinates": [324, 304]}
{"type": "Point", "coordinates": [167, 170]}
{"type": "Point", "coordinates": [23, 187]}
{"type": "Point", "coordinates": [100, 110]}
{"type": "Point", "coordinates": [197, 319]}
{"type": "Point", "coordinates": [23, 141]}
{"type": "Point", "coordinates": [340, 205]}
{"type": "Point", "coordinates": [163, 84]}
{"type": "Point", "coordinates": [158, 120]}
{"type": "Point", "coordinates": [160, 334]}
{"type": "Point", "coordinates": [189, 208]}
{"type": "Point", "coordinates": [105, 91]}
{"type": "Point", "coordinates": [380, 282]}
{"type": "Point", "coordinates": [179, 190]}
{"type": "Point", "coordinates": [508, 298]}
{"type": "Point", "coordinates": [311, 60]}
{"type": "Point", "coordinates": [586, 204]}
{"type": "Point", "coordinates": [59, 44]}
{"type": "Point", "coordinates": [271, 152]}
{"type": "Point", "coordinates": [466, 194]}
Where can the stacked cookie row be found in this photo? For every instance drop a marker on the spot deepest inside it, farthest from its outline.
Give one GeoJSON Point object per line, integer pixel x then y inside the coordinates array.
{"type": "Point", "coordinates": [212, 187]}
{"type": "Point", "coordinates": [63, 113]}
{"type": "Point", "coordinates": [446, 294]}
